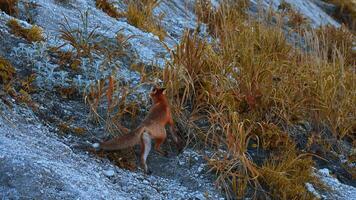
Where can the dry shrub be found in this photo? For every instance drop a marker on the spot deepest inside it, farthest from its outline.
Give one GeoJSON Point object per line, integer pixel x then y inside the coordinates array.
{"type": "Point", "coordinates": [342, 39]}
{"type": "Point", "coordinates": [224, 18]}
{"type": "Point", "coordinates": [108, 105]}
{"type": "Point", "coordinates": [272, 138]}
{"type": "Point", "coordinates": [9, 6]}
{"type": "Point", "coordinates": [140, 14]}
{"type": "Point", "coordinates": [235, 167]}
{"type": "Point", "coordinates": [66, 128]}
{"type": "Point", "coordinates": [7, 71]}
{"type": "Point", "coordinates": [203, 10]}
{"type": "Point", "coordinates": [86, 43]}
{"type": "Point", "coordinates": [108, 8]}
{"type": "Point", "coordinates": [33, 34]}
{"type": "Point", "coordinates": [345, 12]}
{"type": "Point", "coordinates": [247, 85]}
{"type": "Point", "coordinates": [297, 20]}
{"type": "Point", "coordinates": [82, 39]}
{"type": "Point", "coordinates": [285, 176]}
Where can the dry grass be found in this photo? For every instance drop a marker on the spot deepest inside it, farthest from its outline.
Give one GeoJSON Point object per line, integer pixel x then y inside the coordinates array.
{"type": "Point", "coordinates": [337, 38]}
{"type": "Point", "coordinates": [108, 8]}
{"type": "Point", "coordinates": [285, 176]}
{"type": "Point", "coordinates": [7, 71]}
{"type": "Point", "coordinates": [82, 39]}
{"type": "Point", "coordinates": [242, 89]}
{"type": "Point", "coordinates": [33, 34]}
{"type": "Point", "coordinates": [345, 12]}
{"type": "Point", "coordinates": [108, 105]}
{"type": "Point", "coordinates": [9, 6]}
{"type": "Point", "coordinates": [140, 14]}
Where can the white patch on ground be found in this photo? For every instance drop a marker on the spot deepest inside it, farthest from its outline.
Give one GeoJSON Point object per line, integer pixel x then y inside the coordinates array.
{"type": "Point", "coordinates": [338, 191]}
{"type": "Point", "coordinates": [35, 164]}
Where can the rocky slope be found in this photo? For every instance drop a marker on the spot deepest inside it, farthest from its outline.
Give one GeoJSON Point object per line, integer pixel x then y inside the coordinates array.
{"type": "Point", "coordinates": [36, 162]}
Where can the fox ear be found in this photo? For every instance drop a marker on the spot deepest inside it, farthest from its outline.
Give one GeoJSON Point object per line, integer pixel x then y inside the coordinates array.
{"type": "Point", "coordinates": [154, 90]}
{"type": "Point", "coordinates": [164, 90]}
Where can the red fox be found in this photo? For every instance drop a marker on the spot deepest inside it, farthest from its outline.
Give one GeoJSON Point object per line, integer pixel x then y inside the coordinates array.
{"type": "Point", "coordinates": [152, 127]}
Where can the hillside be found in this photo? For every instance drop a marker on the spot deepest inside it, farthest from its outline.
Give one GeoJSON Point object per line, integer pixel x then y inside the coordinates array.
{"type": "Point", "coordinates": [262, 94]}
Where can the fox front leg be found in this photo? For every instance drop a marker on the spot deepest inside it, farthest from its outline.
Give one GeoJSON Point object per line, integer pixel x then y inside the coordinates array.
{"type": "Point", "coordinates": [177, 140]}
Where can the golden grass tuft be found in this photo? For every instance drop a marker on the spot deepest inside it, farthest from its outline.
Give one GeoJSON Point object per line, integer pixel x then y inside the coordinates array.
{"type": "Point", "coordinates": [140, 14]}
{"type": "Point", "coordinates": [33, 34]}
{"type": "Point", "coordinates": [9, 6]}
{"type": "Point", "coordinates": [7, 71]}
{"type": "Point", "coordinates": [108, 8]}
{"type": "Point", "coordinates": [337, 38]}
{"type": "Point", "coordinates": [285, 176]}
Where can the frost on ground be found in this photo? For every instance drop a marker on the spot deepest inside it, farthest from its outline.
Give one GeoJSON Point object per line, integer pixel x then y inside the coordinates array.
{"type": "Point", "coordinates": [338, 191]}
{"type": "Point", "coordinates": [308, 8]}
{"type": "Point", "coordinates": [50, 15]}
{"type": "Point", "coordinates": [35, 164]}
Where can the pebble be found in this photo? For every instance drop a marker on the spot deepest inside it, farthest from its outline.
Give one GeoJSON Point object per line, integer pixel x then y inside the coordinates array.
{"type": "Point", "coordinates": [109, 173]}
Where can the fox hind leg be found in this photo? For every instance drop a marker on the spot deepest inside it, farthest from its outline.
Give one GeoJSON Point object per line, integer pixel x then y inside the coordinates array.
{"type": "Point", "coordinates": [145, 150]}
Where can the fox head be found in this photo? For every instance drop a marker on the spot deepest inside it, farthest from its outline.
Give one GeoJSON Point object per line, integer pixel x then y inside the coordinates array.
{"type": "Point", "coordinates": [158, 94]}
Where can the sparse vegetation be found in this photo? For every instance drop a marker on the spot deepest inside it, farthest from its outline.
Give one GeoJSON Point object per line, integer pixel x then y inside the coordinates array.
{"type": "Point", "coordinates": [83, 40]}
{"type": "Point", "coordinates": [33, 34]}
{"type": "Point", "coordinates": [139, 13]}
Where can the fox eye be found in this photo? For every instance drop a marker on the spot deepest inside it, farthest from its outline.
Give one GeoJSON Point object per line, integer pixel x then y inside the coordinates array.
{"type": "Point", "coordinates": [154, 90]}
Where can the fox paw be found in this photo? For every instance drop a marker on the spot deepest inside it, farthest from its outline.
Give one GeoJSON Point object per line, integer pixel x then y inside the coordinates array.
{"type": "Point", "coordinates": [148, 172]}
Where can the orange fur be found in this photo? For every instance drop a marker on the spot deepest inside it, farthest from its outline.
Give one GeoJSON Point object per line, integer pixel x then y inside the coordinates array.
{"type": "Point", "coordinates": [152, 127]}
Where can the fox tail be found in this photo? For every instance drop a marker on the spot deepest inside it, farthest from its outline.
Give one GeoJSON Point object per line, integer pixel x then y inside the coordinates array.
{"type": "Point", "coordinates": [121, 142]}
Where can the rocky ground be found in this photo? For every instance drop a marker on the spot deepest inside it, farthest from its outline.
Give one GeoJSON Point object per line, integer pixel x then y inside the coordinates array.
{"type": "Point", "coordinates": [38, 162]}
